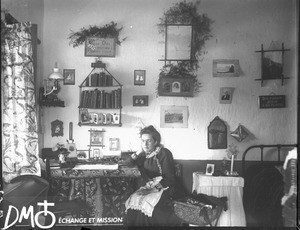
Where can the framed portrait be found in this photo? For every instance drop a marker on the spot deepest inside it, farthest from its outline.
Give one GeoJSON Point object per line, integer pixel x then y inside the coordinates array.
{"type": "Point", "coordinates": [210, 169]}
{"type": "Point", "coordinates": [226, 94]}
{"type": "Point", "coordinates": [139, 77]}
{"type": "Point", "coordinates": [100, 47]}
{"type": "Point", "coordinates": [141, 100]}
{"type": "Point", "coordinates": [57, 128]}
{"type": "Point", "coordinates": [95, 153]}
{"type": "Point", "coordinates": [226, 68]}
{"type": "Point", "coordinates": [174, 116]}
{"type": "Point", "coordinates": [179, 42]}
{"type": "Point", "coordinates": [96, 137]}
{"type": "Point", "coordinates": [217, 134]}
{"type": "Point", "coordinates": [114, 144]}
{"type": "Point", "coordinates": [69, 76]}
{"type": "Point", "coordinates": [176, 87]}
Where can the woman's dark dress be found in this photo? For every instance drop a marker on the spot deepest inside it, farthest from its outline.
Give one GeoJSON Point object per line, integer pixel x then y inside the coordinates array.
{"type": "Point", "coordinates": [163, 214]}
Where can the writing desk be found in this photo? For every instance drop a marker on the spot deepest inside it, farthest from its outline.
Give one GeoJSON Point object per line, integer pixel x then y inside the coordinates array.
{"type": "Point", "coordinates": [220, 186]}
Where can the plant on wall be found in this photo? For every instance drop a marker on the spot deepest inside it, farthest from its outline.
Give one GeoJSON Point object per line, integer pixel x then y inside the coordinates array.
{"type": "Point", "coordinates": [186, 13]}
{"type": "Point", "coordinates": [107, 31]}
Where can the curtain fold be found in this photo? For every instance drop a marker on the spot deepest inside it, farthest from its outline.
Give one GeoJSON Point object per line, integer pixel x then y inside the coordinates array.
{"type": "Point", "coordinates": [19, 119]}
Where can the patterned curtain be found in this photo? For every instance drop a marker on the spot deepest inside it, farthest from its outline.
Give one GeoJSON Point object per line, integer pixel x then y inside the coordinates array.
{"type": "Point", "coordinates": [19, 120]}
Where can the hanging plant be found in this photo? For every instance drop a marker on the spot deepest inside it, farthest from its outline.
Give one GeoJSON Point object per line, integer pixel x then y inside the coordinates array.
{"type": "Point", "coordinates": [186, 13]}
{"type": "Point", "coordinates": [108, 31]}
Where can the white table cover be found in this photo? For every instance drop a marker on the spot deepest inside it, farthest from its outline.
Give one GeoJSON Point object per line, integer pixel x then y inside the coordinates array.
{"type": "Point", "coordinates": [232, 187]}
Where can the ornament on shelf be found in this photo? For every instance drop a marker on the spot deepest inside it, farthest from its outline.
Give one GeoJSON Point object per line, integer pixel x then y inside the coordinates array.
{"type": "Point", "coordinates": [240, 133]}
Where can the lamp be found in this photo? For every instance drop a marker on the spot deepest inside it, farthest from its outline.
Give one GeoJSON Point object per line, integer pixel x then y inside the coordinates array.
{"type": "Point", "coordinates": [54, 76]}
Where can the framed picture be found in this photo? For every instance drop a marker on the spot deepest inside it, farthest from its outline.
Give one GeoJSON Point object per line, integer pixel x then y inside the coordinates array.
{"type": "Point", "coordinates": [100, 47]}
{"type": "Point", "coordinates": [114, 144]}
{"type": "Point", "coordinates": [95, 153]}
{"type": "Point", "coordinates": [210, 169]}
{"type": "Point", "coordinates": [96, 137]}
{"type": "Point", "coordinates": [57, 128]}
{"type": "Point", "coordinates": [271, 101]}
{"type": "Point", "coordinates": [226, 68]}
{"type": "Point", "coordinates": [174, 117]}
{"type": "Point", "coordinates": [176, 87]}
{"type": "Point", "coordinates": [85, 116]}
{"type": "Point", "coordinates": [69, 76]}
{"type": "Point", "coordinates": [179, 42]}
{"type": "Point", "coordinates": [226, 94]}
{"type": "Point", "coordinates": [217, 134]}
{"type": "Point", "coordinates": [139, 77]}
{"type": "Point", "coordinates": [140, 100]}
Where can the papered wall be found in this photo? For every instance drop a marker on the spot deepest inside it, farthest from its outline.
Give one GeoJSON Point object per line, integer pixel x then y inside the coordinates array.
{"type": "Point", "coordinates": [239, 29]}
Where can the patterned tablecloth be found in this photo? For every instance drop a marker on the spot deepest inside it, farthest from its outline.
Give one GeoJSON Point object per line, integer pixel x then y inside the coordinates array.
{"type": "Point", "coordinates": [105, 191]}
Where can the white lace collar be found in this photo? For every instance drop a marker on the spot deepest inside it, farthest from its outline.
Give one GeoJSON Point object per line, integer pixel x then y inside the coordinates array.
{"type": "Point", "coordinates": [154, 152]}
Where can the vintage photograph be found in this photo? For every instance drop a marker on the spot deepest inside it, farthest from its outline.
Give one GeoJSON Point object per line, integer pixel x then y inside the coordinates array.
{"type": "Point", "coordinates": [226, 68]}
{"type": "Point", "coordinates": [174, 117]}
{"type": "Point", "coordinates": [155, 91]}
{"type": "Point", "coordinates": [140, 100]}
{"type": "Point", "coordinates": [69, 76]}
{"type": "Point", "coordinates": [139, 77]}
{"type": "Point", "coordinates": [226, 94]}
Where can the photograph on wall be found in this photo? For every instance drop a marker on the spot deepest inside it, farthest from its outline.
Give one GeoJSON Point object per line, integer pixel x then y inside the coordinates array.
{"type": "Point", "coordinates": [69, 76]}
{"type": "Point", "coordinates": [141, 100]}
{"type": "Point", "coordinates": [96, 137]}
{"type": "Point", "coordinates": [174, 116]}
{"type": "Point", "coordinates": [226, 94]}
{"type": "Point", "coordinates": [226, 68]}
{"type": "Point", "coordinates": [139, 77]}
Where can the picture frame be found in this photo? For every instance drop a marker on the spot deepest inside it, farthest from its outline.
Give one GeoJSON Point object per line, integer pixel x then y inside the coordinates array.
{"type": "Point", "coordinates": [139, 77]}
{"type": "Point", "coordinates": [114, 144]}
{"type": "Point", "coordinates": [176, 87]}
{"type": "Point", "coordinates": [85, 116]}
{"type": "Point", "coordinates": [226, 67]}
{"type": "Point", "coordinates": [141, 100]}
{"type": "Point", "coordinates": [210, 169]}
{"type": "Point", "coordinates": [179, 42]}
{"type": "Point", "coordinates": [226, 94]}
{"type": "Point", "coordinates": [95, 153]}
{"type": "Point", "coordinates": [217, 134]}
{"type": "Point", "coordinates": [100, 47]}
{"type": "Point", "coordinates": [174, 116]}
{"type": "Point", "coordinates": [69, 76]}
{"type": "Point", "coordinates": [96, 137]}
{"type": "Point", "coordinates": [57, 128]}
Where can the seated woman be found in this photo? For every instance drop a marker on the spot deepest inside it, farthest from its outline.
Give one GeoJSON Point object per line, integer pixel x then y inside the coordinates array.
{"type": "Point", "coordinates": [151, 204]}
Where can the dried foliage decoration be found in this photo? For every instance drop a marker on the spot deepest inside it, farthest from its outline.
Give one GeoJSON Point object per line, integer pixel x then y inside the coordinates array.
{"type": "Point", "coordinates": [108, 31]}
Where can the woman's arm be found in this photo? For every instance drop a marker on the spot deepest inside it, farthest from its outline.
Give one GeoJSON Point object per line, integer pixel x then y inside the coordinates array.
{"type": "Point", "coordinates": [167, 166]}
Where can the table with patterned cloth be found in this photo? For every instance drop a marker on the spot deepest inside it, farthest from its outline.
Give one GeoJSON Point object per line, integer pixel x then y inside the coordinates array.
{"type": "Point", "coordinates": [105, 191]}
{"type": "Point", "coordinates": [220, 186]}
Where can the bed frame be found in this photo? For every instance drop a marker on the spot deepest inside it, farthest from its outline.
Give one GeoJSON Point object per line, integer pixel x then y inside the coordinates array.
{"type": "Point", "coordinates": [261, 147]}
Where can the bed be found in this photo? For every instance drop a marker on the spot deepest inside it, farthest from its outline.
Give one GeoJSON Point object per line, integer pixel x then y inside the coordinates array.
{"type": "Point", "coordinates": [264, 185]}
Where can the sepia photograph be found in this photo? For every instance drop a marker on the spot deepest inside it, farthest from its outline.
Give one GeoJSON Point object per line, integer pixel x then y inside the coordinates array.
{"type": "Point", "coordinates": [156, 92]}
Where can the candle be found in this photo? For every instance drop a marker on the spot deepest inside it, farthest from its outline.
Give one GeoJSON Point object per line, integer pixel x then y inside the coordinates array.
{"type": "Point", "coordinates": [70, 131]}
{"type": "Point", "coordinates": [232, 159]}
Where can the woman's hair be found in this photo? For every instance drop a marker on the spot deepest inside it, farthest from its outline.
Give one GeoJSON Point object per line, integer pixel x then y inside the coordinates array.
{"type": "Point", "coordinates": [153, 132]}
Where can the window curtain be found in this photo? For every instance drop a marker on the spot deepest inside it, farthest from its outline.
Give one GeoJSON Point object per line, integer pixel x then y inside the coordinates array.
{"type": "Point", "coordinates": [19, 119]}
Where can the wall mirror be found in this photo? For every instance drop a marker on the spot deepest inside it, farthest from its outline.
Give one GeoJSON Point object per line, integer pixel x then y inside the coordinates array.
{"type": "Point", "coordinates": [178, 42]}
{"type": "Point", "coordinates": [217, 134]}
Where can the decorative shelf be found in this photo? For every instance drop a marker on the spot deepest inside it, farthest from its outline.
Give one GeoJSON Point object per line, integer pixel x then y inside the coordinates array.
{"type": "Point", "coordinates": [52, 103]}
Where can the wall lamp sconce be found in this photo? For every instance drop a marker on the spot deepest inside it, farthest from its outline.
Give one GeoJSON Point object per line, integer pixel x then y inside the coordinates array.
{"type": "Point", "coordinates": [55, 76]}
{"type": "Point", "coordinates": [48, 93]}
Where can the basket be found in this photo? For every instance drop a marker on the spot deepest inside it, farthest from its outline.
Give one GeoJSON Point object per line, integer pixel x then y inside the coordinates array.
{"type": "Point", "coordinates": [197, 214]}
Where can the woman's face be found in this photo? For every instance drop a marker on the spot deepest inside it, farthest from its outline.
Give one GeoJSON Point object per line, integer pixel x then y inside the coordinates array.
{"type": "Point", "coordinates": [148, 143]}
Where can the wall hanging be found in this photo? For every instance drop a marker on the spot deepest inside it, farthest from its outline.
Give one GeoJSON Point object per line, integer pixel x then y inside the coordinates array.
{"type": "Point", "coordinates": [272, 63]}
{"type": "Point", "coordinates": [226, 68]}
{"type": "Point", "coordinates": [185, 32]}
{"type": "Point", "coordinates": [226, 94]}
{"type": "Point", "coordinates": [69, 76]}
{"type": "Point", "coordinates": [217, 134]}
{"type": "Point", "coordinates": [139, 77]}
{"type": "Point", "coordinates": [240, 133]}
{"type": "Point", "coordinates": [141, 100]}
{"type": "Point", "coordinates": [57, 128]}
{"type": "Point", "coordinates": [173, 116]}
{"type": "Point", "coordinates": [271, 101]}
